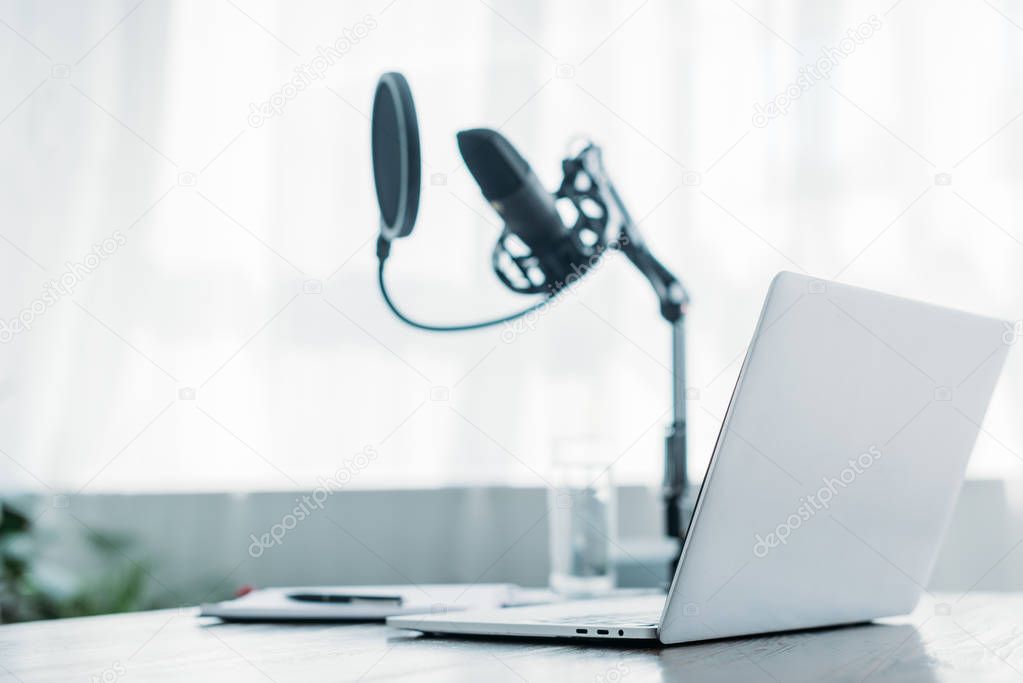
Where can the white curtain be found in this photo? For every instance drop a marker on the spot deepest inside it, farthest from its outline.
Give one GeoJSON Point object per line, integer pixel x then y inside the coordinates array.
{"type": "Point", "coordinates": [233, 337]}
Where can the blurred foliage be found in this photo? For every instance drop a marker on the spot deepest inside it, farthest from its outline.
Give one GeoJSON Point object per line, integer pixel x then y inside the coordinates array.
{"type": "Point", "coordinates": [32, 587]}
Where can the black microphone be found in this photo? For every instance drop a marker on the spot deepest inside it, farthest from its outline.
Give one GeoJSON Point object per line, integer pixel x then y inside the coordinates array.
{"type": "Point", "coordinates": [528, 210]}
{"type": "Point", "coordinates": [396, 174]}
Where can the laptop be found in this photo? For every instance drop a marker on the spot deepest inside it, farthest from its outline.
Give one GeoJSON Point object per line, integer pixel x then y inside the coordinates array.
{"type": "Point", "coordinates": [835, 473]}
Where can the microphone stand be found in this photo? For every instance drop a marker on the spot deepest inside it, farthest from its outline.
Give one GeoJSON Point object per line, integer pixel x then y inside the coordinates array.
{"type": "Point", "coordinates": [674, 300]}
{"type": "Point", "coordinates": [676, 480]}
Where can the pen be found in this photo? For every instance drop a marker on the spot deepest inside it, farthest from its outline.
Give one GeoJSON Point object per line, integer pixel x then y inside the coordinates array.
{"type": "Point", "coordinates": [347, 599]}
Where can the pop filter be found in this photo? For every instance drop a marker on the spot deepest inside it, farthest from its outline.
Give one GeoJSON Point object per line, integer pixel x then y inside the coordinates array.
{"type": "Point", "coordinates": [396, 159]}
{"type": "Point", "coordinates": [397, 174]}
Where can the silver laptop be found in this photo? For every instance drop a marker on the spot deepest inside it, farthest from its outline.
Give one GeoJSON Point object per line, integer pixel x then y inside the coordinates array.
{"type": "Point", "coordinates": [834, 476]}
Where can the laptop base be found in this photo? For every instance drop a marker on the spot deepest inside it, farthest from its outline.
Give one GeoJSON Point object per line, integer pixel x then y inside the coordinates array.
{"type": "Point", "coordinates": [633, 618]}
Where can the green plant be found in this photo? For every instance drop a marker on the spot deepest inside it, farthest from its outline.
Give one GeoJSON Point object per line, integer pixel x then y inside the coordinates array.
{"type": "Point", "coordinates": [33, 587]}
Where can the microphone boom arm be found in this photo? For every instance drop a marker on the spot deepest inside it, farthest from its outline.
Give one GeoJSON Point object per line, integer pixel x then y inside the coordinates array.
{"type": "Point", "coordinates": [674, 301]}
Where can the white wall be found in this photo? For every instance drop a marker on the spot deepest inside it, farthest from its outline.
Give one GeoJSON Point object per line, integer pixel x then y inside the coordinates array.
{"type": "Point", "coordinates": [199, 543]}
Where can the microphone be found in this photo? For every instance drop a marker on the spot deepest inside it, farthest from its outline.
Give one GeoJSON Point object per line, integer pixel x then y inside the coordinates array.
{"type": "Point", "coordinates": [536, 253]}
{"type": "Point", "coordinates": [397, 174]}
{"type": "Point", "coordinates": [528, 211]}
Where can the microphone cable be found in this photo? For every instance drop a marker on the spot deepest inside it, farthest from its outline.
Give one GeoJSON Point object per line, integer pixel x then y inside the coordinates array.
{"type": "Point", "coordinates": [383, 251]}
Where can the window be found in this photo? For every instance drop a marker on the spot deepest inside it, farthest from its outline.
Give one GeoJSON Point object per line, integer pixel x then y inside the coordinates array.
{"type": "Point", "coordinates": [232, 337]}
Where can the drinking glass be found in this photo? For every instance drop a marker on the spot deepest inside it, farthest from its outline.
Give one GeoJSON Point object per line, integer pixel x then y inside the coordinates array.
{"type": "Point", "coordinates": [583, 518]}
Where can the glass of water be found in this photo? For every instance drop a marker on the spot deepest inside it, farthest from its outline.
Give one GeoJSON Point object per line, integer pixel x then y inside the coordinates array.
{"type": "Point", "coordinates": [583, 518]}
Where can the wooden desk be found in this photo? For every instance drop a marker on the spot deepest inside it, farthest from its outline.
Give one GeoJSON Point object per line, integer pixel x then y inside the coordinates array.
{"type": "Point", "coordinates": [980, 639]}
